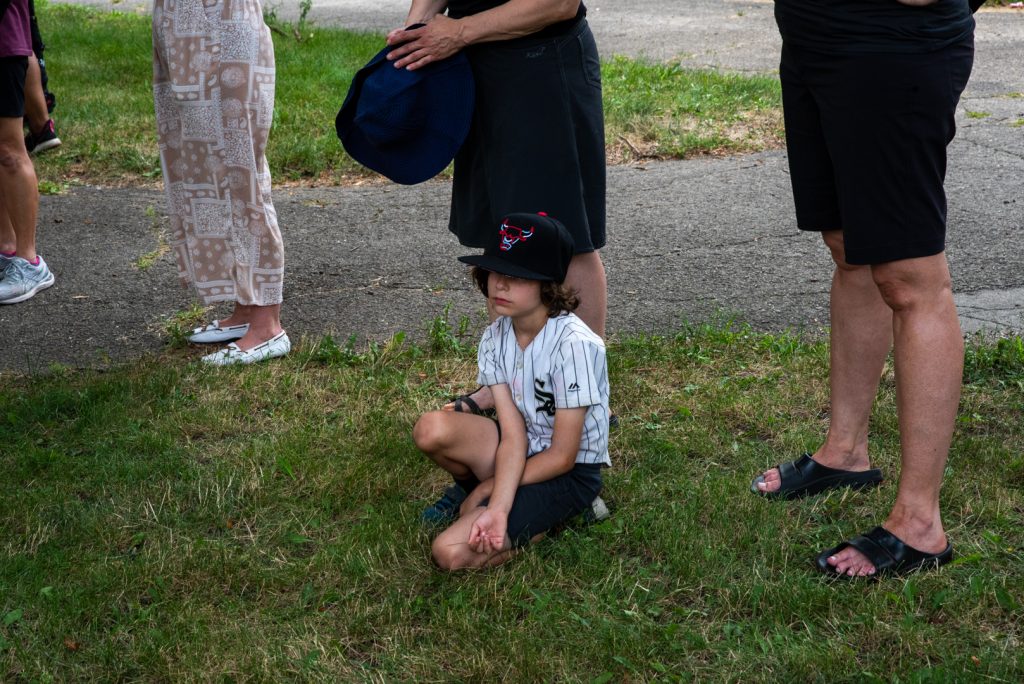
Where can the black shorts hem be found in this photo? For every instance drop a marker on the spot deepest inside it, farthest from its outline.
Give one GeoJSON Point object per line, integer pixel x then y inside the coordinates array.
{"type": "Point", "coordinates": [871, 256]}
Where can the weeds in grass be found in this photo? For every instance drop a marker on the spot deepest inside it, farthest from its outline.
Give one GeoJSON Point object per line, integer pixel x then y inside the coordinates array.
{"type": "Point", "coordinates": [443, 337]}
{"type": "Point", "coordinates": [162, 247]}
{"type": "Point", "coordinates": [1000, 361]}
{"type": "Point", "coordinates": [48, 187]}
{"type": "Point", "coordinates": [299, 31]}
{"type": "Point", "coordinates": [179, 325]}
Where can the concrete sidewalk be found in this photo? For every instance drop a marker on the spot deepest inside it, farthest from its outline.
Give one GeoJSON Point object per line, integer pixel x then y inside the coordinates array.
{"type": "Point", "coordinates": [687, 239]}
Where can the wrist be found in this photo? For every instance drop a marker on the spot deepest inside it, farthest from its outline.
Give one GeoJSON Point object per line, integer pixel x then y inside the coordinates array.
{"type": "Point", "coordinates": [465, 33]}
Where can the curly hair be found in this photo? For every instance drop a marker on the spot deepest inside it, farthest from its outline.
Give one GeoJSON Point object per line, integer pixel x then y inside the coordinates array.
{"type": "Point", "coordinates": [557, 297]}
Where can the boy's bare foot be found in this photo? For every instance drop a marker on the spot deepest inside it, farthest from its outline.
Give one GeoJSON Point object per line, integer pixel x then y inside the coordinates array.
{"type": "Point", "coordinates": [479, 401]}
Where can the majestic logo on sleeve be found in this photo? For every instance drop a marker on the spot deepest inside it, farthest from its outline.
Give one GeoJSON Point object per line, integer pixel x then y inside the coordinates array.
{"type": "Point", "coordinates": [510, 235]}
{"type": "Point", "coordinates": [545, 400]}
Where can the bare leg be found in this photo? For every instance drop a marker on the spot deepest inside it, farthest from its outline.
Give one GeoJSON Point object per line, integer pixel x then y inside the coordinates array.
{"type": "Point", "coordinates": [19, 195]}
{"type": "Point", "coordinates": [8, 242]}
{"type": "Point", "coordinates": [460, 443]}
{"type": "Point", "coordinates": [928, 349]}
{"type": "Point", "coordinates": [264, 323]}
{"type": "Point", "coordinates": [587, 277]}
{"type": "Point", "coordinates": [35, 99]}
{"type": "Point", "coordinates": [451, 550]}
{"type": "Point", "coordinates": [860, 340]}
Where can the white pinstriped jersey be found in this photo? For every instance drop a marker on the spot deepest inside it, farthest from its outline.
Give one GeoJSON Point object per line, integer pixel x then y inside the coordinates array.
{"type": "Point", "coordinates": [563, 367]}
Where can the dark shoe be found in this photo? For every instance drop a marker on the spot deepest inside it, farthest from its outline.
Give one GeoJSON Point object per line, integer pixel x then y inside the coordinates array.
{"type": "Point", "coordinates": [613, 421]}
{"type": "Point", "coordinates": [445, 510]}
{"type": "Point", "coordinates": [464, 403]}
{"type": "Point", "coordinates": [805, 476]}
{"type": "Point", "coordinates": [45, 139]}
{"type": "Point", "coordinates": [888, 554]}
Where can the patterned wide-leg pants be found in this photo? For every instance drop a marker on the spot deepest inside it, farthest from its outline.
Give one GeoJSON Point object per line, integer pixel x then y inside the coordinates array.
{"type": "Point", "coordinates": [213, 87]}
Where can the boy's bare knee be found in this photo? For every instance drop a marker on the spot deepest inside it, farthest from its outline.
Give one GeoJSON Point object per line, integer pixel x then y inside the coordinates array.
{"type": "Point", "coordinates": [447, 556]}
{"type": "Point", "coordinates": [429, 431]}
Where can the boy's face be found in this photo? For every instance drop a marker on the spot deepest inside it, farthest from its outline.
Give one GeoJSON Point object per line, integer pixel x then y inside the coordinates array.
{"type": "Point", "coordinates": [513, 297]}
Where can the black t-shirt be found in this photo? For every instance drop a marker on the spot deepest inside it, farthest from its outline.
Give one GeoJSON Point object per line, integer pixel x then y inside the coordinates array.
{"type": "Point", "coordinates": [860, 26]}
{"type": "Point", "coordinates": [464, 8]}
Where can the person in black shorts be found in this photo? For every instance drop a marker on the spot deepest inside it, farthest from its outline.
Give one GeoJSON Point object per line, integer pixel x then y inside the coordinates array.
{"type": "Point", "coordinates": [538, 97]}
{"type": "Point", "coordinates": [869, 92]}
{"type": "Point", "coordinates": [22, 271]}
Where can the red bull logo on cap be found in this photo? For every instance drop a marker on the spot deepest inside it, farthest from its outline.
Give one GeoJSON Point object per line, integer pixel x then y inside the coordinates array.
{"type": "Point", "coordinates": [510, 235]}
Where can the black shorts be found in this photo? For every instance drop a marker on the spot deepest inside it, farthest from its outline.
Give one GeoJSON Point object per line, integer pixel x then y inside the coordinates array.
{"type": "Point", "coordinates": [540, 507]}
{"type": "Point", "coordinates": [536, 143]}
{"type": "Point", "coordinates": [12, 86]}
{"type": "Point", "coordinates": [866, 136]}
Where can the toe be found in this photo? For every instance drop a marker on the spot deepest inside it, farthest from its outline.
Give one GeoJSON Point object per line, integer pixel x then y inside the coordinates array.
{"type": "Point", "coordinates": [771, 481]}
{"type": "Point", "coordinates": [851, 562]}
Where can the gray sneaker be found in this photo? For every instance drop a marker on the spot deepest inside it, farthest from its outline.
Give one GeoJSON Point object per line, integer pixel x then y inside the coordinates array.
{"type": "Point", "coordinates": [21, 280]}
{"type": "Point", "coordinates": [597, 512]}
{"type": "Point", "coordinates": [4, 261]}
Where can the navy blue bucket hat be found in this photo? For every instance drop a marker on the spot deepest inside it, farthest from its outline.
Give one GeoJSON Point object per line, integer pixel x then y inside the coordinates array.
{"type": "Point", "coordinates": [407, 125]}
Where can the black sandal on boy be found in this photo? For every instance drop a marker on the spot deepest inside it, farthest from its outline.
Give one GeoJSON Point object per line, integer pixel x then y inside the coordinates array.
{"type": "Point", "coordinates": [464, 403]}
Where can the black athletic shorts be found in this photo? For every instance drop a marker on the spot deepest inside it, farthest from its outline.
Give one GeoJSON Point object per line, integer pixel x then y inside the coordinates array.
{"type": "Point", "coordinates": [12, 86]}
{"type": "Point", "coordinates": [536, 143]}
{"type": "Point", "coordinates": [540, 507]}
{"type": "Point", "coordinates": [866, 136]}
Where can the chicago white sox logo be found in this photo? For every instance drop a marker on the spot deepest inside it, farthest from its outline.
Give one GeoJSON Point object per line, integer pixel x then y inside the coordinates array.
{"type": "Point", "coordinates": [545, 400]}
{"type": "Point", "coordinates": [510, 235]}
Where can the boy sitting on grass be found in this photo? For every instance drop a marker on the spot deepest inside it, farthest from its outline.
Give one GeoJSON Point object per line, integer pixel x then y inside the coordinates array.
{"type": "Point", "coordinates": [540, 463]}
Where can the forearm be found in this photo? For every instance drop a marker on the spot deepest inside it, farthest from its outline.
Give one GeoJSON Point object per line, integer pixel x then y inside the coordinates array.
{"type": "Point", "coordinates": [514, 19]}
{"type": "Point", "coordinates": [422, 11]}
{"type": "Point", "coordinates": [508, 472]}
{"type": "Point", "coordinates": [546, 465]}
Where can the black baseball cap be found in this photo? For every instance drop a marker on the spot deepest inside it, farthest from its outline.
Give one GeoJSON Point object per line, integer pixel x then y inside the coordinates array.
{"type": "Point", "coordinates": [529, 246]}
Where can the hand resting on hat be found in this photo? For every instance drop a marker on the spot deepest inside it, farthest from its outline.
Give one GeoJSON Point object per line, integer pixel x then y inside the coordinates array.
{"type": "Point", "coordinates": [442, 37]}
{"type": "Point", "coordinates": [439, 39]}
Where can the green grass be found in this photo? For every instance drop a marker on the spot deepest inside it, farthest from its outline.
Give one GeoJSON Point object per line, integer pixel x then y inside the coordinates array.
{"type": "Point", "coordinates": [666, 111]}
{"type": "Point", "coordinates": [168, 522]}
{"type": "Point", "coordinates": [100, 67]}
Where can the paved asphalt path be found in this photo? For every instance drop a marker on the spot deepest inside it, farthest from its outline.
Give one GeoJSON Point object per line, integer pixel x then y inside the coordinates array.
{"type": "Point", "coordinates": [688, 239]}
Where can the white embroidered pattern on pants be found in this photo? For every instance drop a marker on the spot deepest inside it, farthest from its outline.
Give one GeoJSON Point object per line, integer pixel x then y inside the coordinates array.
{"type": "Point", "coordinates": [213, 87]}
